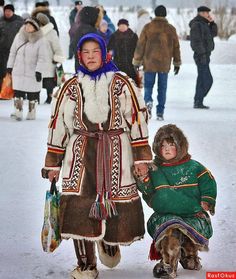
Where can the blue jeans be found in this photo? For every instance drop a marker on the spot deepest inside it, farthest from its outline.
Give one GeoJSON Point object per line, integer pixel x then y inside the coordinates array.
{"type": "Point", "coordinates": [204, 82]}
{"type": "Point", "coordinates": [149, 81]}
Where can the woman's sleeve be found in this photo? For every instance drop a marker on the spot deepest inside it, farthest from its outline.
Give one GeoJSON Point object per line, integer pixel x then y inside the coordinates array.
{"type": "Point", "coordinates": [136, 117]}
{"type": "Point", "coordinates": [58, 134]}
{"type": "Point", "coordinates": [12, 55]}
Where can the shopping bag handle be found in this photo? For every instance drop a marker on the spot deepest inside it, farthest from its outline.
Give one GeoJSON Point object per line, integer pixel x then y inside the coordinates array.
{"type": "Point", "coordinates": [53, 188]}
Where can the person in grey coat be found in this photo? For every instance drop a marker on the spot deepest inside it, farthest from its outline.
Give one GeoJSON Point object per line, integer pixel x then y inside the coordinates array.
{"type": "Point", "coordinates": [54, 54]}
{"type": "Point", "coordinates": [26, 63]}
{"type": "Point", "coordinates": [203, 30]}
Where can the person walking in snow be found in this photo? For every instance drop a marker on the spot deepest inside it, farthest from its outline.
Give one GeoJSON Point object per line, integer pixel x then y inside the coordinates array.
{"type": "Point", "coordinates": [98, 131]}
{"type": "Point", "coordinates": [180, 190]}
{"type": "Point", "coordinates": [143, 17]}
{"type": "Point", "coordinates": [10, 24]}
{"type": "Point", "coordinates": [121, 45]}
{"type": "Point", "coordinates": [202, 31]}
{"type": "Point", "coordinates": [54, 54]}
{"type": "Point", "coordinates": [26, 63]}
{"type": "Point", "coordinates": [158, 44]}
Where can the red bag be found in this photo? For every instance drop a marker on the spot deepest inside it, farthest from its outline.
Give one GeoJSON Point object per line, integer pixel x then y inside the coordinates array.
{"type": "Point", "coordinates": [7, 91]}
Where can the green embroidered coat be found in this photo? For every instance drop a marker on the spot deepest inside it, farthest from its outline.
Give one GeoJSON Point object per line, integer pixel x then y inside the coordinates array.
{"type": "Point", "coordinates": [175, 192]}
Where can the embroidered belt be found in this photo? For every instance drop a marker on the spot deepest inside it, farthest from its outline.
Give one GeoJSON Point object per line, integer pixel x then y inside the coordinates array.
{"type": "Point", "coordinates": [101, 208]}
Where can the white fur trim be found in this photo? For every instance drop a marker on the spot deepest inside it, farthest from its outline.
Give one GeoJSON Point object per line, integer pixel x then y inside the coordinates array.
{"type": "Point", "coordinates": [107, 260]}
{"type": "Point", "coordinates": [52, 168]}
{"type": "Point", "coordinates": [47, 28]}
{"type": "Point", "coordinates": [77, 273]}
{"type": "Point", "coordinates": [96, 105]}
{"type": "Point", "coordinates": [143, 162]}
{"type": "Point", "coordinates": [124, 243]}
{"type": "Point", "coordinates": [76, 236]}
{"type": "Point", "coordinates": [58, 58]}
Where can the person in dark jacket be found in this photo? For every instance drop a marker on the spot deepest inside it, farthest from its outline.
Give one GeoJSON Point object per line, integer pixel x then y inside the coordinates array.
{"type": "Point", "coordinates": [42, 7]}
{"type": "Point", "coordinates": [90, 18]}
{"type": "Point", "coordinates": [74, 24]}
{"type": "Point", "coordinates": [121, 45]}
{"type": "Point", "coordinates": [203, 30]}
{"type": "Point", "coordinates": [10, 24]}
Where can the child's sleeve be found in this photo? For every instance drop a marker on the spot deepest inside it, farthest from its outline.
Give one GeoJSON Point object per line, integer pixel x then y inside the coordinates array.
{"type": "Point", "coordinates": [207, 187]}
{"type": "Point", "coordinates": [145, 186]}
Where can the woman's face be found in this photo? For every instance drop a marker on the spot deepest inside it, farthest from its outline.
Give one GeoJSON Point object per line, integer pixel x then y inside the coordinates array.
{"type": "Point", "coordinates": [91, 55]}
{"type": "Point", "coordinates": [29, 28]}
{"type": "Point", "coordinates": [168, 150]}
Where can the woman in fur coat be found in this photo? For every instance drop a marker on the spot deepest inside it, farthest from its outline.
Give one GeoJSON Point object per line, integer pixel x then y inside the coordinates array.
{"type": "Point", "coordinates": [98, 132]}
{"type": "Point", "coordinates": [54, 54]}
{"type": "Point", "coordinates": [180, 191]}
{"type": "Point", "coordinates": [26, 62]}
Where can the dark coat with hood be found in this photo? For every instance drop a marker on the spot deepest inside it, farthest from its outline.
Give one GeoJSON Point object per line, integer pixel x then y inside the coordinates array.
{"type": "Point", "coordinates": [8, 30]}
{"type": "Point", "coordinates": [158, 44]}
{"type": "Point", "coordinates": [175, 189]}
{"type": "Point", "coordinates": [202, 33]}
{"type": "Point", "coordinates": [90, 18]}
{"type": "Point", "coordinates": [123, 45]}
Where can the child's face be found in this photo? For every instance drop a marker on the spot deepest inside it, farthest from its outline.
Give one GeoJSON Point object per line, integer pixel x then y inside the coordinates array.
{"type": "Point", "coordinates": [168, 150]}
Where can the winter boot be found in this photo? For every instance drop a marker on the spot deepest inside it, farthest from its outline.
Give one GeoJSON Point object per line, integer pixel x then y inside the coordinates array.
{"type": "Point", "coordinates": [108, 255]}
{"type": "Point", "coordinates": [149, 106]}
{"type": "Point", "coordinates": [31, 115]}
{"type": "Point", "coordinates": [161, 271]}
{"type": "Point", "coordinates": [189, 255]}
{"type": "Point", "coordinates": [160, 117]}
{"type": "Point", "coordinates": [89, 273]}
{"type": "Point", "coordinates": [18, 114]}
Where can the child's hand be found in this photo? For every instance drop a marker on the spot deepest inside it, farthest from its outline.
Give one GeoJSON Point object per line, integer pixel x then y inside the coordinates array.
{"type": "Point", "coordinates": [205, 205]}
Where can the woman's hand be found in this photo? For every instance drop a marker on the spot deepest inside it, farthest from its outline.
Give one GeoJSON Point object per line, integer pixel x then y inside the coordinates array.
{"type": "Point", "coordinates": [141, 169]}
{"type": "Point", "coordinates": [53, 174]}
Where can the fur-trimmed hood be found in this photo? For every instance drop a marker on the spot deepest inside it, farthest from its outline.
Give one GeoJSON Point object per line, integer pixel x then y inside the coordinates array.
{"type": "Point", "coordinates": [30, 37]}
{"type": "Point", "coordinates": [40, 9]}
{"type": "Point", "coordinates": [170, 131]}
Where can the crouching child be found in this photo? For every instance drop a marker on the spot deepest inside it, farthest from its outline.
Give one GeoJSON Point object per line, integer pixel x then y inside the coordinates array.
{"type": "Point", "coordinates": [181, 192]}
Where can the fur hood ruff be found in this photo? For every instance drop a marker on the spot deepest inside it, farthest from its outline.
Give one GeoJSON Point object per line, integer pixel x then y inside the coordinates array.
{"type": "Point", "coordinates": [30, 37]}
{"type": "Point", "coordinates": [47, 28]}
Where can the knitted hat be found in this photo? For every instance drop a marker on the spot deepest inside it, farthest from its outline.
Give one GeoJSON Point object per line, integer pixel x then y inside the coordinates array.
{"type": "Point", "coordinates": [160, 11]}
{"type": "Point", "coordinates": [34, 22]}
{"type": "Point", "coordinates": [9, 7]}
{"type": "Point", "coordinates": [203, 9]}
{"type": "Point", "coordinates": [103, 22]}
{"type": "Point", "coordinates": [42, 18]}
{"type": "Point", "coordinates": [123, 21]}
{"type": "Point", "coordinates": [2, 3]}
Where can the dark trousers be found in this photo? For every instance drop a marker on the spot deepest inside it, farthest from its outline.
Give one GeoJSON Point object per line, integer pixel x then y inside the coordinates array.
{"type": "Point", "coordinates": [31, 96]}
{"type": "Point", "coordinates": [204, 82]}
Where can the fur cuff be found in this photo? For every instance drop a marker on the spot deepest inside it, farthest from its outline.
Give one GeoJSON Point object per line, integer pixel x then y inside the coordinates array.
{"type": "Point", "coordinates": [106, 259]}
{"type": "Point", "coordinates": [77, 273]}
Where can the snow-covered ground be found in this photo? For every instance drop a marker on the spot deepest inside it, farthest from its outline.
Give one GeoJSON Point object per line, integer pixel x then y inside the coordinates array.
{"type": "Point", "coordinates": [211, 134]}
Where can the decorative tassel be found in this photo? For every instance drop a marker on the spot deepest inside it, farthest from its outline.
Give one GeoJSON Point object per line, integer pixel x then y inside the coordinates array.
{"type": "Point", "coordinates": [98, 210]}
{"type": "Point", "coordinates": [154, 255]}
{"type": "Point", "coordinates": [110, 206]}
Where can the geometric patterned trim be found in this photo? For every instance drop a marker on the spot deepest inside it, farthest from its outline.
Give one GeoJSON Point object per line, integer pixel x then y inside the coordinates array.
{"type": "Point", "coordinates": [176, 186]}
{"type": "Point", "coordinates": [56, 150]}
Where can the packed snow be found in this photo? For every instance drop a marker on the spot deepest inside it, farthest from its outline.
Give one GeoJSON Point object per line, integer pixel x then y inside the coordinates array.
{"type": "Point", "coordinates": [211, 134]}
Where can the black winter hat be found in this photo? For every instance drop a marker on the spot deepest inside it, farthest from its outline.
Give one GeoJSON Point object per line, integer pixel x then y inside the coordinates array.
{"type": "Point", "coordinates": [123, 21]}
{"type": "Point", "coordinates": [9, 7]}
{"type": "Point", "coordinates": [2, 3]}
{"type": "Point", "coordinates": [78, 3]}
{"type": "Point", "coordinates": [160, 11]}
{"type": "Point", "coordinates": [203, 9]}
{"type": "Point", "coordinates": [89, 14]}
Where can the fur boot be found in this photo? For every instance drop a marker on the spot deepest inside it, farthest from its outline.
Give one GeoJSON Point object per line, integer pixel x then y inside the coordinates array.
{"type": "Point", "coordinates": [78, 273]}
{"type": "Point", "coordinates": [109, 255]}
{"type": "Point", "coordinates": [31, 115]}
{"type": "Point", "coordinates": [18, 105]}
{"type": "Point", "coordinates": [189, 255]}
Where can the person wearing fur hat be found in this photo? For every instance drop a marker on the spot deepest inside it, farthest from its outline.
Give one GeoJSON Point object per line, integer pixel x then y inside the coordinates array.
{"type": "Point", "coordinates": [10, 24]}
{"type": "Point", "coordinates": [180, 190]}
{"type": "Point", "coordinates": [157, 46]}
{"type": "Point", "coordinates": [42, 7]}
{"type": "Point", "coordinates": [98, 132]}
{"type": "Point", "coordinates": [121, 45]}
{"type": "Point", "coordinates": [27, 62]}
{"type": "Point", "coordinates": [54, 54]}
